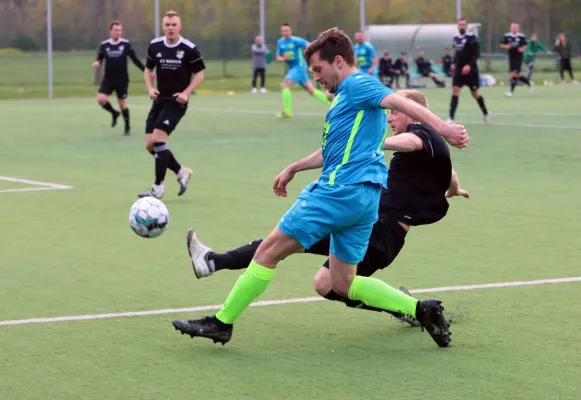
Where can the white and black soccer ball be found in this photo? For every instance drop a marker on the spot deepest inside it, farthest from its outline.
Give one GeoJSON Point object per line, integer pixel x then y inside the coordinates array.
{"type": "Point", "coordinates": [148, 217]}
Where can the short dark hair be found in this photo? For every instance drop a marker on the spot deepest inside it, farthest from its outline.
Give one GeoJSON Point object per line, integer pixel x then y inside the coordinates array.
{"type": "Point", "coordinates": [286, 24]}
{"type": "Point", "coordinates": [330, 44]}
{"type": "Point", "coordinates": [114, 23]}
{"type": "Point", "coordinates": [462, 19]}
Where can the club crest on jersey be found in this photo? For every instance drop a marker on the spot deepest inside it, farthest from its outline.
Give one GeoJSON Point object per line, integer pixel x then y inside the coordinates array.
{"type": "Point", "coordinates": [121, 48]}
{"type": "Point", "coordinates": [180, 54]}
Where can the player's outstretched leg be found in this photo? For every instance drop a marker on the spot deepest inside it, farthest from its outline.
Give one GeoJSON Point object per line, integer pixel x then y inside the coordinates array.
{"type": "Point", "coordinates": [251, 284]}
{"type": "Point", "coordinates": [376, 293]}
{"type": "Point", "coordinates": [125, 113]}
{"type": "Point", "coordinates": [324, 98]}
{"type": "Point", "coordinates": [103, 102]}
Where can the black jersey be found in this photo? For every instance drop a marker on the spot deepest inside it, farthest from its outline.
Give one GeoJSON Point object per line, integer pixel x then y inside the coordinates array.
{"type": "Point", "coordinates": [515, 41]}
{"type": "Point", "coordinates": [447, 62]}
{"type": "Point", "coordinates": [467, 50]}
{"type": "Point", "coordinates": [418, 180]}
{"type": "Point", "coordinates": [401, 65]}
{"type": "Point", "coordinates": [424, 66]}
{"type": "Point", "coordinates": [174, 64]}
{"type": "Point", "coordinates": [115, 55]}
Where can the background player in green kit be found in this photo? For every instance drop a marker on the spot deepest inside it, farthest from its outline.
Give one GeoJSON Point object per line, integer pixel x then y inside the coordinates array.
{"type": "Point", "coordinates": [530, 54]}
{"type": "Point", "coordinates": [343, 202]}
{"type": "Point", "coordinates": [290, 49]}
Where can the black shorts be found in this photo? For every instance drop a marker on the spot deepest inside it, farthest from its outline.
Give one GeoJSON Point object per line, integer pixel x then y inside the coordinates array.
{"type": "Point", "coordinates": [120, 88]}
{"type": "Point", "coordinates": [386, 241]}
{"type": "Point", "coordinates": [472, 80]}
{"type": "Point", "coordinates": [515, 64]}
{"type": "Point", "coordinates": [165, 114]}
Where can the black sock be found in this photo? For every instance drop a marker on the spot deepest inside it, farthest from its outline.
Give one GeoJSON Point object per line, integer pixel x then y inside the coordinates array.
{"type": "Point", "coordinates": [125, 112]}
{"type": "Point", "coordinates": [453, 106]}
{"type": "Point", "coordinates": [173, 164]}
{"type": "Point", "coordinates": [437, 81]}
{"type": "Point", "coordinates": [480, 101]}
{"type": "Point", "coordinates": [107, 106]}
{"type": "Point", "coordinates": [161, 160]}
{"type": "Point", "coordinates": [525, 80]}
{"type": "Point", "coordinates": [238, 258]}
{"type": "Point", "coordinates": [356, 304]}
{"type": "Point", "coordinates": [512, 84]}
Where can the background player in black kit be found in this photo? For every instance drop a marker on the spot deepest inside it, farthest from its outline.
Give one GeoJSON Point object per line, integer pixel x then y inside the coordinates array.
{"type": "Point", "coordinates": [465, 68]}
{"type": "Point", "coordinates": [516, 43]}
{"type": "Point", "coordinates": [116, 79]}
{"type": "Point", "coordinates": [425, 68]}
{"type": "Point", "coordinates": [180, 70]}
{"type": "Point", "coordinates": [420, 165]}
{"type": "Point", "coordinates": [447, 62]}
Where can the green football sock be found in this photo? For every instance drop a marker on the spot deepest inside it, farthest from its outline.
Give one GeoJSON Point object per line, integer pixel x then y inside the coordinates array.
{"type": "Point", "coordinates": [287, 100]}
{"type": "Point", "coordinates": [376, 293]}
{"type": "Point", "coordinates": [248, 287]}
{"type": "Point", "coordinates": [321, 96]}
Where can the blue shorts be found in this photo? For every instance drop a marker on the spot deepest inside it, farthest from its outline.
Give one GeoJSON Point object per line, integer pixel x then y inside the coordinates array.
{"type": "Point", "coordinates": [298, 75]}
{"type": "Point", "coordinates": [346, 212]}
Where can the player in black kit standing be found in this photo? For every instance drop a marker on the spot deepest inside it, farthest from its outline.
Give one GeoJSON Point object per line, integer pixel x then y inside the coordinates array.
{"type": "Point", "coordinates": [516, 43]}
{"type": "Point", "coordinates": [465, 69]}
{"type": "Point", "coordinates": [116, 79]}
{"type": "Point", "coordinates": [180, 70]}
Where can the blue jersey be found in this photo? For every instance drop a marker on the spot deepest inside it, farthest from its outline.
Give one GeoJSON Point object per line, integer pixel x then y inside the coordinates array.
{"type": "Point", "coordinates": [365, 53]}
{"type": "Point", "coordinates": [292, 47]}
{"type": "Point", "coordinates": [354, 133]}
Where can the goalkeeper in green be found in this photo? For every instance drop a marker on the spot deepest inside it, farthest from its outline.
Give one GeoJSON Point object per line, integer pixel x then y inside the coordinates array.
{"type": "Point", "coordinates": [534, 46]}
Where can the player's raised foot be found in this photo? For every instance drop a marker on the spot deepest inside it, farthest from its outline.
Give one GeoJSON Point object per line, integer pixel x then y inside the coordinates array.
{"type": "Point", "coordinates": [207, 327]}
{"type": "Point", "coordinates": [284, 115]}
{"type": "Point", "coordinates": [486, 118]}
{"type": "Point", "coordinates": [508, 94]}
{"type": "Point", "coordinates": [405, 318]}
{"type": "Point", "coordinates": [183, 179]}
{"type": "Point", "coordinates": [151, 193]}
{"type": "Point", "coordinates": [430, 315]}
{"type": "Point", "coordinates": [199, 254]}
{"type": "Point", "coordinates": [114, 118]}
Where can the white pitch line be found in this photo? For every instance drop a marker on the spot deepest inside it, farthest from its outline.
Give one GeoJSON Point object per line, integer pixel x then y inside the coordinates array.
{"type": "Point", "coordinates": [32, 189]}
{"type": "Point", "coordinates": [275, 302]}
{"type": "Point", "coordinates": [34, 183]}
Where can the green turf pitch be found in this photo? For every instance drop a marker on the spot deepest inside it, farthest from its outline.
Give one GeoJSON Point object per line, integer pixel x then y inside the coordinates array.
{"type": "Point", "coordinates": [71, 252]}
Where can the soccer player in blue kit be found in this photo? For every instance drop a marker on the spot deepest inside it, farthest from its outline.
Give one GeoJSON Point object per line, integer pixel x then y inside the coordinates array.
{"type": "Point", "coordinates": [365, 53]}
{"type": "Point", "coordinates": [290, 49]}
{"type": "Point", "coordinates": [343, 202]}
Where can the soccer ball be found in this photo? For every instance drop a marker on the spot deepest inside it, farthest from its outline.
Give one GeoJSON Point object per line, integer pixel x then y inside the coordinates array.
{"type": "Point", "coordinates": [148, 217]}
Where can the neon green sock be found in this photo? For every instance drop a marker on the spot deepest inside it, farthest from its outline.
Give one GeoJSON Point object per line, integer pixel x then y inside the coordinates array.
{"type": "Point", "coordinates": [248, 287]}
{"type": "Point", "coordinates": [317, 94]}
{"type": "Point", "coordinates": [376, 293]}
{"type": "Point", "coordinates": [287, 100]}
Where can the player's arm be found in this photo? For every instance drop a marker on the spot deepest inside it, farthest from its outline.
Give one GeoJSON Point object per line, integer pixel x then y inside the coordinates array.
{"type": "Point", "coordinates": [100, 57]}
{"type": "Point", "coordinates": [505, 44]}
{"type": "Point", "coordinates": [136, 61]}
{"type": "Point", "coordinates": [523, 45]}
{"type": "Point", "coordinates": [148, 74]}
{"type": "Point", "coordinates": [197, 67]}
{"type": "Point", "coordinates": [313, 161]}
{"type": "Point", "coordinates": [454, 134]}
{"type": "Point", "coordinates": [375, 59]}
{"type": "Point", "coordinates": [404, 142]}
{"type": "Point", "coordinates": [454, 189]}
{"type": "Point", "coordinates": [279, 55]}
{"type": "Point", "coordinates": [542, 47]}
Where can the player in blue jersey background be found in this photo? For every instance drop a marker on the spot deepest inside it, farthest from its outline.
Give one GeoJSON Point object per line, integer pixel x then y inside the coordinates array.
{"type": "Point", "coordinates": [343, 202]}
{"type": "Point", "coordinates": [367, 60]}
{"type": "Point", "coordinates": [290, 49]}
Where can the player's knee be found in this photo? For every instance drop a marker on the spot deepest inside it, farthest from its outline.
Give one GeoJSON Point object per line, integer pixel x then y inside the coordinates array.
{"type": "Point", "coordinates": [101, 99]}
{"type": "Point", "coordinates": [322, 282]}
{"type": "Point", "coordinates": [341, 283]}
{"type": "Point", "coordinates": [122, 103]}
{"type": "Point", "coordinates": [455, 91]}
{"type": "Point", "coordinates": [159, 136]}
{"type": "Point", "coordinates": [475, 94]}
{"type": "Point", "coordinates": [148, 145]}
{"type": "Point", "coordinates": [284, 85]}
